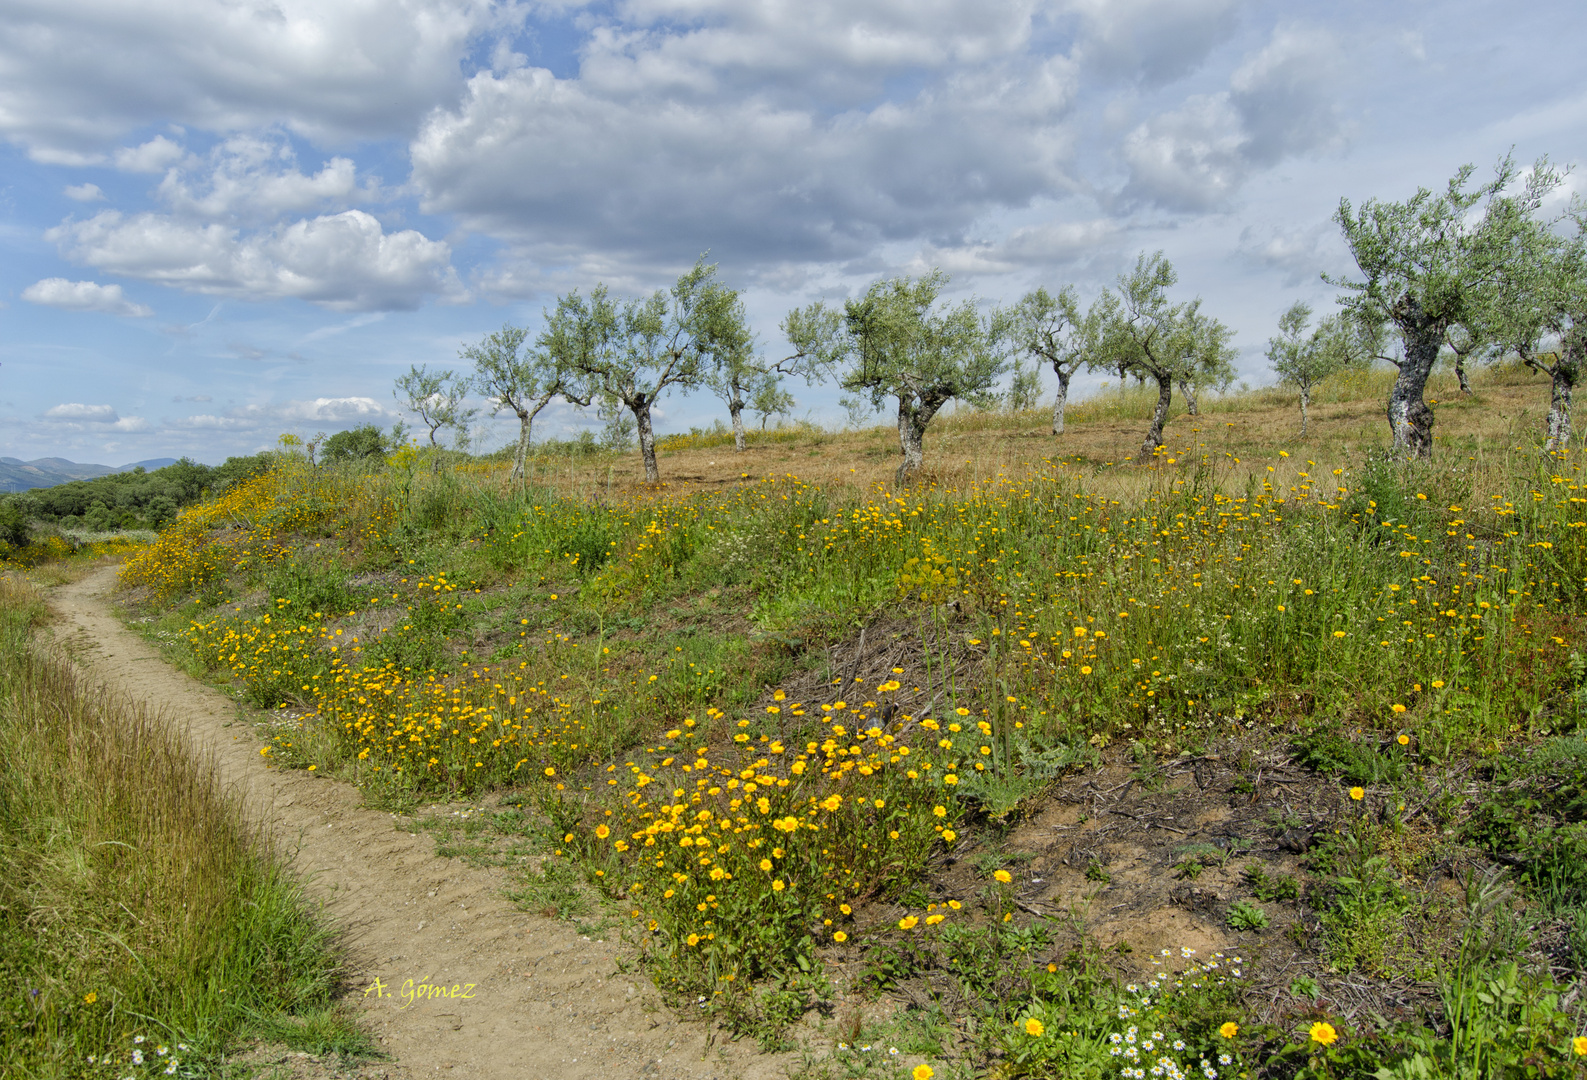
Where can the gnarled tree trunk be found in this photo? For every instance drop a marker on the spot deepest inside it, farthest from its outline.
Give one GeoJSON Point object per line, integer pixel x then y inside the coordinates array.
{"type": "Point", "coordinates": [1410, 420]}
{"type": "Point", "coordinates": [1064, 375]}
{"type": "Point", "coordinates": [735, 409]}
{"type": "Point", "coordinates": [1154, 436]}
{"type": "Point", "coordinates": [647, 439]}
{"type": "Point", "coordinates": [526, 419]}
{"type": "Point", "coordinates": [912, 421]}
{"type": "Point", "coordinates": [1564, 376]}
{"type": "Point", "coordinates": [1460, 373]}
{"type": "Point", "coordinates": [1190, 397]}
{"type": "Point", "coordinates": [1305, 403]}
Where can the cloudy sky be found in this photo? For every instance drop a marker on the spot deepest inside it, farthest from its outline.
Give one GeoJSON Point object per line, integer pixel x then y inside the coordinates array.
{"type": "Point", "coordinates": [226, 219]}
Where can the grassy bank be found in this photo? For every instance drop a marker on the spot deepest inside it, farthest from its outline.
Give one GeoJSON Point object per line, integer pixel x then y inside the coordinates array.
{"type": "Point", "coordinates": [144, 925]}
{"type": "Point", "coordinates": [795, 726]}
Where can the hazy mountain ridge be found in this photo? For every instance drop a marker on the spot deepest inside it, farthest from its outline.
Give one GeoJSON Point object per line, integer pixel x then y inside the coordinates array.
{"type": "Point", "coordinates": [18, 475]}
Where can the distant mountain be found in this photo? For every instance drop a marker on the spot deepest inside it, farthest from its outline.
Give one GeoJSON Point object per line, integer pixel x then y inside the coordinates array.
{"type": "Point", "coordinates": [18, 475]}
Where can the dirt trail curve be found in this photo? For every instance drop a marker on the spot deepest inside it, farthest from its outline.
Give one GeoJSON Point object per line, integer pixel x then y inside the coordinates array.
{"type": "Point", "coordinates": [546, 1002]}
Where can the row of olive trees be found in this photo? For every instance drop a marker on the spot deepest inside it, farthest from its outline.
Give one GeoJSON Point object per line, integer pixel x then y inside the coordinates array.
{"type": "Point", "coordinates": [1476, 273]}
{"type": "Point", "coordinates": [622, 355]}
{"type": "Point", "coordinates": [898, 341]}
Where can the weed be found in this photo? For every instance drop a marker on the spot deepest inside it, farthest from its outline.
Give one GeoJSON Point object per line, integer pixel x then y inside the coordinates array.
{"type": "Point", "coordinates": [1274, 887]}
{"type": "Point", "coordinates": [1244, 915]}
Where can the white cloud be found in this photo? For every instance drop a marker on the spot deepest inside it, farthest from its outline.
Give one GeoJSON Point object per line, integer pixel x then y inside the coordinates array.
{"type": "Point", "coordinates": [94, 414]}
{"type": "Point", "coordinates": [1279, 104]}
{"type": "Point", "coordinates": [1152, 41]}
{"type": "Point", "coordinates": [1300, 253]}
{"type": "Point", "coordinates": [1284, 95]}
{"type": "Point", "coordinates": [154, 156]}
{"type": "Point", "coordinates": [79, 74]}
{"type": "Point", "coordinates": [130, 424]}
{"type": "Point", "coordinates": [84, 193]}
{"type": "Point", "coordinates": [1048, 245]}
{"type": "Point", "coordinates": [266, 416]}
{"type": "Point", "coordinates": [83, 296]}
{"type": "Point", "coordinates": [254, 178]}
{"type": "Point", "coordinates": [345, 262]}
{"type": "Point", "coordinates": [1188, 159]}
{"type": "Point", "coordinates": [333, 409]}
{"type": "Point", "coordinates": [649, 164]}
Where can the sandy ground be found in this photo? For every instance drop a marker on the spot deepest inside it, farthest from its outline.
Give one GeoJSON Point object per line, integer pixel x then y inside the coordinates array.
{"type": "Point", "coordinates": [534, 998]}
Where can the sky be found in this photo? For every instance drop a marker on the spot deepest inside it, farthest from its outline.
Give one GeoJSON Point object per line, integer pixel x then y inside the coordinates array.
{"type": "Point", "coordinates": [223, 220]}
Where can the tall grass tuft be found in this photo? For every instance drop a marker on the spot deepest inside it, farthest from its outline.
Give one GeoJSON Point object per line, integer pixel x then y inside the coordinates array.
{"type": "Point", "coordinates": [135, 896]}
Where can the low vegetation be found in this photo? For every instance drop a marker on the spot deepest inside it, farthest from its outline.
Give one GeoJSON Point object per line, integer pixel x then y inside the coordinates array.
{"type": "Point", "coordinates": [144, 926]}
{"type": "Point", "coordinates": [887, 764]}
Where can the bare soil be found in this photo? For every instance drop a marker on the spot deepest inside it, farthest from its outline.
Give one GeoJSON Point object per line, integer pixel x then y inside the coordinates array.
{"type": "Point", "coordinates": [534, 997]}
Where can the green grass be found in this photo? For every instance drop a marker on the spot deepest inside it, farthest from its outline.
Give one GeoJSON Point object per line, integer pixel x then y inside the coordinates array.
{"type": "Point", "coordinates": [135, 898]}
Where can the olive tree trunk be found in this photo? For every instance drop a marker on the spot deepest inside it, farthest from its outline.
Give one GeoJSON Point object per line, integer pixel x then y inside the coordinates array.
{"type": "Point", "coordinates": [1154, 436]}
{"type": "Point", "coordinates": [736, 410]}
{"type": "Point", "coordinates": [1564, 377]}
{"type": "Point", "coordinates": [1460, 373]}
{"type": "Point", "coordinates": [647, 439]}
{"type": "Point", "coordinates": [526, 419]}
{"type": "Point", "coordinates": [1064, 375]}
{"type": "Point", "coordinates": [1410, 420]}
{"type": "Point", "coordinates": [1190, 397]}
{"type": "Point", "coordinates": [912, 421]}
{"type": "Point", "coordinates": [1305, 404]}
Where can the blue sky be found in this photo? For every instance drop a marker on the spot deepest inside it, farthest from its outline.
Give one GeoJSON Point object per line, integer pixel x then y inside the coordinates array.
{"type": "Point", "coordinates": [223, 221]}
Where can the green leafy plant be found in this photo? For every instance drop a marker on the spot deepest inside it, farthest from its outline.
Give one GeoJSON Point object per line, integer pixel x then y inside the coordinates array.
{"type": "Point", "coordinates": [1244, 915]}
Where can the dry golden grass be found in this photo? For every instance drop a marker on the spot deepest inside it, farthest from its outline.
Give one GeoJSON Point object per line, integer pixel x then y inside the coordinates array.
{"type": "Point", "coordinates": [1243, 432]}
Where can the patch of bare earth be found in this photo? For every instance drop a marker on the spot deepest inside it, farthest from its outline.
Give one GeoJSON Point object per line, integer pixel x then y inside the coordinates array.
{"type": "Point", "coordinates": [520, 995]}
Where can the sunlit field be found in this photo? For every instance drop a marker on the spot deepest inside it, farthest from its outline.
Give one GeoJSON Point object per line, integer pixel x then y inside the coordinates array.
{"type": "Point", "coordinates": [788, 725]}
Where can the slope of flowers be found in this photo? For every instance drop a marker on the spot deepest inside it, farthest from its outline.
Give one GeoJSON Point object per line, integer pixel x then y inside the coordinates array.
{"type": "Point", "coordinates": [741, 858]}
{"type": "Point", "coordinates": [744, 827]}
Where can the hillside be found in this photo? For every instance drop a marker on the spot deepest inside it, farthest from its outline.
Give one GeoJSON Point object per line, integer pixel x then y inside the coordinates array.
{"type": "Point", "coordinates": [19, 475]}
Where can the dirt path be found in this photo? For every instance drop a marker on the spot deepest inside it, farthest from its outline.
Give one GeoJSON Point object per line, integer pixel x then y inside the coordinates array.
{"type": "Point", "coordinates": [542, 1002]}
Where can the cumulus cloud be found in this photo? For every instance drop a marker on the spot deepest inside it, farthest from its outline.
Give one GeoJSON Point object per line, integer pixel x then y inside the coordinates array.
{"type": "Point", "coordinates": [345, 262]}
{"type": "Point", "coordinates": [1152, 41]}
{"type": "Point", "coordinates": [255, 178]}
{"type": "Point", "coordinates": [82, 73]}
{"type": "Point", "coordinates": [75, 415]}
{"type": "Point", "coordinates": [1049, 245]}
{"type": "Point", "coordinates": [1279, 104]}
{"type": "Point", "coordinates": [151, 157]}
{"type": "Point", "coordinates": [648, 158]}
{"type": "Point", "coordinates": [84, 193]}
{"type": "Point", "coordinates": [83, 296]}
{"type": "Point", "coordinates": [1300, 253]}
{"type": "Point", "coordinates": [263, 416]}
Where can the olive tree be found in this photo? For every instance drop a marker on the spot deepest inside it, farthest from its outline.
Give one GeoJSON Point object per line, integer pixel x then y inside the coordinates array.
{"type": "Point", "coordinates": [741, 378]}
{"type": "Point", "coordinates": [1540, 312]}
{"type": "Point", "coordinates": [1429, 264]}
{"type": "Point", "coordinates": [1140, 332]}
{"type": "Point", "coordinates": [898, 342]}
{"type": "Point", "coordinates": [438, 398]}
{"type": "Point", "coordinates": [1051, 329]}
{"type": "Point", "coordinates": [771, 400]}
{"type": "Point", "coordinates": [524, 380]}
{"type": "Point", "coordinates": [1302, 361]}
{"type": "Point", "coordinates": [630, 353]}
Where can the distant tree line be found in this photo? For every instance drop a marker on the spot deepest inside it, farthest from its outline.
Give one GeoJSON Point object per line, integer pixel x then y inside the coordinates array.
{"type": "Point", "coordinates": [128, 500]}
